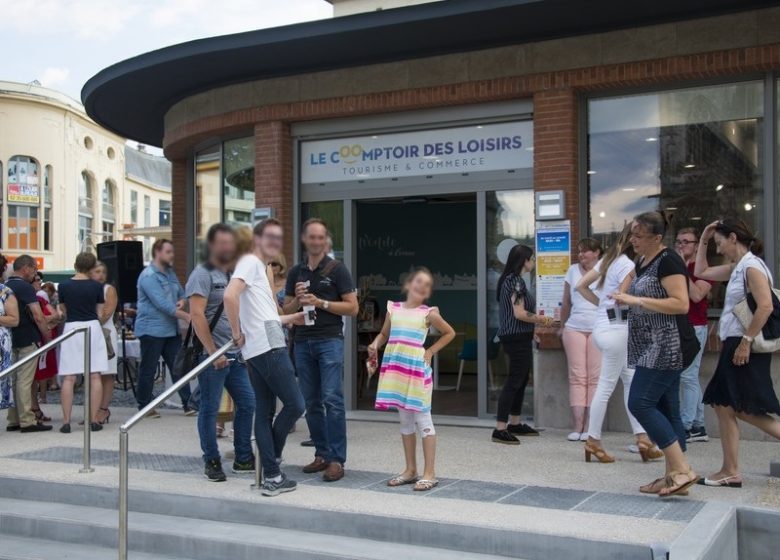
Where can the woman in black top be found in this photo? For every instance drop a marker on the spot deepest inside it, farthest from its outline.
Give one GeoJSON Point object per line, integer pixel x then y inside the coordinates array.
{"type": "Point", "coordinates": [517, 321]}
{"type": "Point", "coordinates": [661, 344]}
{"type": "Point", "coordinates": [81, 303]}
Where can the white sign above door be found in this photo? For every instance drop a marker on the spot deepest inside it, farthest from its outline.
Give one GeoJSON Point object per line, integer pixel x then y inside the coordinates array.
{"type": "Point", "coordinates": [468, 149]}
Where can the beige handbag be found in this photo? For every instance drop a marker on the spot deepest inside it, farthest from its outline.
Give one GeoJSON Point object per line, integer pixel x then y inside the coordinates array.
{"type": "Point", "coordinates": [743, 311]}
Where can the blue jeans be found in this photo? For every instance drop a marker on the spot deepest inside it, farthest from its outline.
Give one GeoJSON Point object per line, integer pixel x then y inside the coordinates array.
{"type": "Point", "coordinates": [272, 375]}
{"type": "Point", "coordinates": [235, 380]}
{"type": "Point", "coordinates": [654, 401]}
{"type": "Point", "coordinates": [692, 407]}
{"type": "Point", "coordinates": [152, 349]}
{"type": "Point", "coordinates": [320, 366]}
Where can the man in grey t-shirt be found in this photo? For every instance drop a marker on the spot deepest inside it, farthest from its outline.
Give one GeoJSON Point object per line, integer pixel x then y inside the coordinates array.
{"type": "Point", "coordinates": [205, 289]}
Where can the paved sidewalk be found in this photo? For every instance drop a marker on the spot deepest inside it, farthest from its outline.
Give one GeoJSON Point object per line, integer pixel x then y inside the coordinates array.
{"type": "Point", "coordinates": [543, 485]}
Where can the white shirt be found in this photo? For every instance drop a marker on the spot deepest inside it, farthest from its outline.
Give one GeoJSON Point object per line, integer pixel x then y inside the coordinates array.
{"type": "Point", "coordinates": [735, 292]}
{"type": "Point", "coordinates": [258, 313]}
{"type": "Point", "coordinates": [583, 313]}
{"type": "Point", "coordinates": [618, 270]}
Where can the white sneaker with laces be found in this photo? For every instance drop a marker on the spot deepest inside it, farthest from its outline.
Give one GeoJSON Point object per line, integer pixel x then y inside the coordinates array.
{"type": "Point", "coordinates": [584, 436]}
{"type": "Point", "coordinates": [574, 436]}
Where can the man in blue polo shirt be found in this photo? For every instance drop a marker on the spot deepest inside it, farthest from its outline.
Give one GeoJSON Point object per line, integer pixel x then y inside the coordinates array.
{"type": "Point", "coordinates": [326, 284]}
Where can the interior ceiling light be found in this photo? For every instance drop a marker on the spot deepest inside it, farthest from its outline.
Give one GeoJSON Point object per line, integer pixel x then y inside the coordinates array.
{"type": "Point", "coordinates": [748, 207]}
{"type": "Point", "coordinates": [629, 189]}
{"type": "Point", "coordinates": [651, 139]}
{"type": "Point", "coordinates": [689, 166]}
{"type": "Point", "coordinates": [602, 214]}
{"type": "Point", "coordinates": [719, 188]}
{"type": "Point", "coordinates": [591, 172]}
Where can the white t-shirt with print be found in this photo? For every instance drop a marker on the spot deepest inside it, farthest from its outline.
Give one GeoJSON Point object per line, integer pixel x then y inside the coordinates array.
{"type": "Point", "coordinates": [258, 313]}
{"type": "Point", "coordinates": [583, 313]}
{"type": "Point", "coordinates": [618, 270]}
{"type": "Point", "coordinates": [735, 292]}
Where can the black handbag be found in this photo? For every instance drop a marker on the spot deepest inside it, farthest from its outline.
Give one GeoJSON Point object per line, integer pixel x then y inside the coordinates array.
{"type": "Point", "coordinates": [771, 329]}
{"type": "Point", "coordinates": [192, 348]}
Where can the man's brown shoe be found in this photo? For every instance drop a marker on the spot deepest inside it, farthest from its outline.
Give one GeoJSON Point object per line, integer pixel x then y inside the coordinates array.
{"type": "Point", "coordinates": [318, 465]}
{"type": "Point", "coordinates": [333, 473]}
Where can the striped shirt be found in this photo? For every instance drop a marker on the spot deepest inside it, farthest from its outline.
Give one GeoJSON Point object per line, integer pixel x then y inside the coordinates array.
{"type": "Point", "coordinates": [509, 327]}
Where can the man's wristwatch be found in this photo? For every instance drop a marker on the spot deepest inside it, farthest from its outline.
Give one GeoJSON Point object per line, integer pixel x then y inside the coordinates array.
{"type": "Point", "coordinates": [325, 304]}
{"type": "Point", "coordinates": [749, 339]}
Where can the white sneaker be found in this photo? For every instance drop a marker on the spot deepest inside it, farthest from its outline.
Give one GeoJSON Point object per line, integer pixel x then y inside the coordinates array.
{"type": "Point", "coordinates": [584, 436]}
{"type": "Point", "coordinates": [633, 448]}
{"type": "Point", "coordinates": [574, 436]}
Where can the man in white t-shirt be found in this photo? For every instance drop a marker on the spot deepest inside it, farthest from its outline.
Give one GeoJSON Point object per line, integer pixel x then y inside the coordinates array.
{"type": "Point", "coordinates": [257, 329]}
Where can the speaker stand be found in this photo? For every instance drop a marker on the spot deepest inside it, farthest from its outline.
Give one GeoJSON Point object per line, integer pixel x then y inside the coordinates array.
{"type": "Point", "coordinates": [126, 375]}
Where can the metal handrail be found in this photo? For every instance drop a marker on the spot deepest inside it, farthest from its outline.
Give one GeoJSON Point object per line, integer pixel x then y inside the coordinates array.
{"type": "Point", "coordinates": [86, 453]}
{"type": "Point", "coordinates": [124, 439]}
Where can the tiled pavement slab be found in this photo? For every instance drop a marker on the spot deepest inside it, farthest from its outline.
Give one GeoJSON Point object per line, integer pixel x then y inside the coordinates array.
{"type": "Point", "coordinates": [647, 507]}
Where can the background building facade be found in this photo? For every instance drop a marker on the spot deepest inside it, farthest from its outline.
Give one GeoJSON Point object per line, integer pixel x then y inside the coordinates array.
{"type": "Point", "coordinates": [64, 181]}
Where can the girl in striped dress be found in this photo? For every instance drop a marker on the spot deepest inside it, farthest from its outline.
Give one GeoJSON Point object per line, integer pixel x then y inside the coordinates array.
{"type": "Point", "coordinates": [405, 380]}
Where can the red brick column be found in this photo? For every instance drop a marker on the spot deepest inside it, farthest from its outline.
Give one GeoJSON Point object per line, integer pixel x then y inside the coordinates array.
{"type": "Point", "coordinates": [556, 145]}
{"type": "Point", "coordinates": [273, 175]}
{"type": "Point", "coordinates": [180, 216]}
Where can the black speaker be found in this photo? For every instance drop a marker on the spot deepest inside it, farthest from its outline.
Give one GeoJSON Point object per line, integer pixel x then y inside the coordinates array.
{"type": "Point", "coordinates": [124, 261]}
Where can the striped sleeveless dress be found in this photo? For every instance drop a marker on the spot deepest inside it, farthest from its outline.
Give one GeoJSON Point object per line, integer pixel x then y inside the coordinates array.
{"type": "Point", "coordinates": [405, 381]}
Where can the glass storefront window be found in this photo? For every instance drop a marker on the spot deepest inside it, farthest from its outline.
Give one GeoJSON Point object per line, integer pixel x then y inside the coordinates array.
{"type": "Point", "coordinates": [238, 161]}
{"type": "Point", "coordinates": [509, 221]}
{"type": "Point", "coordinates": [694, 154]}
{"type": "Point", "coordinates": [208, 209]}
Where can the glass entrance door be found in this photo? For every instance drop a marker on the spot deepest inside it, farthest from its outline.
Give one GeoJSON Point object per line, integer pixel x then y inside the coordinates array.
{"type": "Point", "coordinates": [509, 221]}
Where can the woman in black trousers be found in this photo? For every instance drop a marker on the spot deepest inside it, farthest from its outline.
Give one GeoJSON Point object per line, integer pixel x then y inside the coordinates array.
{"type": "Point", "coordinates": [517, 321]}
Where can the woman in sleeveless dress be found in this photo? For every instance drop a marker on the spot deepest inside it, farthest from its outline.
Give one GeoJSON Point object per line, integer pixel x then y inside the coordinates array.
{"type": "Point", "coordinates": [741, 388]}
{"type": "Point", "coordinates": [405, 379]}
{"type": "Point", "coordinates": [100, 275]}
{"type": "Point", "coordinates": [9, 318]}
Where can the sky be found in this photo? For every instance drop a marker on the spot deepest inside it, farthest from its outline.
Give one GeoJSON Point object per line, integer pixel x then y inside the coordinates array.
{"type": "Point", "coordinates": [62, 43]}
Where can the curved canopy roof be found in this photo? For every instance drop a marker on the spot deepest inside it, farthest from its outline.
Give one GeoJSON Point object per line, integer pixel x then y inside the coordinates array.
{"type": "Point", "coordinates": [132, 97]}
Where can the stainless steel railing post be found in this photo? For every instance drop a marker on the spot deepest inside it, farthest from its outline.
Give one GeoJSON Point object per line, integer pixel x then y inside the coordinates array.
{"type": "Point", "coordinates": [51, 345]}
{"type": "Point", "coordinates": [124, 443]}
{"type": "Point", "coordinates": [123, 505]}
{"type": "Point", "coordinates": [258, 467]}
{"type": "Point", "coordinates": [87, 452]}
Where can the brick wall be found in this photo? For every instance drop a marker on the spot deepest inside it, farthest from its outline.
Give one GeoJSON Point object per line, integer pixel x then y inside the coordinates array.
{"type": "Point", "coordinates": [179, 216]}
{"type": "Point", "coordinates": [273, 175]}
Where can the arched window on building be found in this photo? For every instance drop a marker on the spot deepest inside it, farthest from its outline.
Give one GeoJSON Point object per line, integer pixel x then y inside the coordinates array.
{"type": "Point", "coordinates": [24, 201]}
{"type": "Point", "coordinates": [48, 185]}
{"type": "Point", "coordinates": [108, 213]}
{"type": "Point", "coordinates": [86, 210]}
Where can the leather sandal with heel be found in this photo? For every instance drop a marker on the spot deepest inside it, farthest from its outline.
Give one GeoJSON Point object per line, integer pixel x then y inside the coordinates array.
{"type": "Point", "coordinates": [648, 450]}
{"type": "Point", "coordinates": [592, 448]}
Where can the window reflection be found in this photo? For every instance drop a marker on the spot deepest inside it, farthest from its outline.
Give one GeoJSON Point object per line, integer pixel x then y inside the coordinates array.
{"type": "Point", "coordinates": [238, 158]}
{"type": "Point", "coordinates": [695, 154]}
{"type": "Point", "coordinates": [510, 220]}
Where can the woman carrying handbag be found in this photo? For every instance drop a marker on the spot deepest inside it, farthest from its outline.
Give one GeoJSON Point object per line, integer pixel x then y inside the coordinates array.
{"type": "Point", "coordinates": [741, 387]}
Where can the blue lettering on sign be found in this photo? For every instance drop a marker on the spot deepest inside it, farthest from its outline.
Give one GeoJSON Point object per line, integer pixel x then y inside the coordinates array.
{"type": "Point", "coordinates": [353, 154]}
{"type": "Point", "coordinates": [317, 159]}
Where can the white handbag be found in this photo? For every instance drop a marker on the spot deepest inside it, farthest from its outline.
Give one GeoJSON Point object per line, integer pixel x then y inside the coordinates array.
{"type": "Point", "coordinates": [744, 315]}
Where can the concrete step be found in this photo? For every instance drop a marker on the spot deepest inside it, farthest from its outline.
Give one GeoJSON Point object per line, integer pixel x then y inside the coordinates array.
{"type": "Point", "coordinates": [21, 548]}
{"type": "Point", "coordinates": [55, 503]}
{"type": "Point", "coordinates": [200, 539]}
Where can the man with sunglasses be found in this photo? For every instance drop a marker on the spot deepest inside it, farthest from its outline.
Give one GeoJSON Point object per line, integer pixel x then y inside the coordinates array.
{"type": "Point", "coordinates": [691, 407]}
{"type": "Point", "coordinates": [205, 291]}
